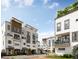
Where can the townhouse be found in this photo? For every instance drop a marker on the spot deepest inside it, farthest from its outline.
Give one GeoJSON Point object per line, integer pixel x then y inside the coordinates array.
{"type": "Point", "coordinates": [66, 32]}
{"type": "Point", "coordinates": [48, 44]}
{"type": "Point", "coordinates": [18, 38]}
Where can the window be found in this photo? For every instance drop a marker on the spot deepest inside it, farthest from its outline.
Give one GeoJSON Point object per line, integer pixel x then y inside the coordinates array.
{"type": "Point", "coordinates": [34, 42]}
{"type": "Point", "coordinates": [9, 42]}
{"type": "Point", "coordinates": [66, 24]}
{"type": "Point", "coordinates": [52, 42]}
{"type": "Point", "coordinates": [53, 50]}
{"type": "Point", "coordinates": [3, 42]}
{"type": "Point", "coordinates": [23, 37]}
{"type": "Point", "coordinates": [38, 45]}
{"type": "Point", "coordinates": [33, 36]}
{"type": "Point", "coordinates": [49, 43]}
{"type": "Point", "coordinates": [24, 43]}
{"type": "Point", "coordinates": [16, 30]}
{"type": "Point", "coordinates": [33, 46]}
{"type": "Point", "coordinates": [58, 26]}
{"type": "Point", "coordinates": [22, 32]}
{"type": "Point", "coordinates": [28, 45]}
{"type": "Point", "coordinates": [8, 27]}
{"type": "Point", "coordinates": [67, 37]}
{"type": "Point", "coordinates": [16, 44]}
{"type": "Point", "coordinates": [58, 40]}
{"type": "Point", "coordinates": [16, 36]}
{"type": "Point", "coordinates": [28, 37]}
{"type": "Point", "coordinates": [76, 19]}
{"type": "Point", "coordinates": [61, 48]}
{"type": "Point", "coordinates": [75, 36]}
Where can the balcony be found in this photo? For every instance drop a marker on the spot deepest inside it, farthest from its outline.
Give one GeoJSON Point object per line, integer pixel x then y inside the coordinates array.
{"type": "Point", "coordinates": [16, 30]}
{"type": "Point", "coordinates": [17, 37]}
{"type": "Point", "coordinates": [62, 43]}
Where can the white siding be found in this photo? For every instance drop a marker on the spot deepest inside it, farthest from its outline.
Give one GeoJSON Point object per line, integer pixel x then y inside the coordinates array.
{"type": "Point", "coordinates": [73, 27]}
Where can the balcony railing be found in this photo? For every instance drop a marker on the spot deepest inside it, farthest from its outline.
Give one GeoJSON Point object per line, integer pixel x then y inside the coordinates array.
{"type": "Point", "coordinates": [17, 30]}
{"type": "Point", "coordinates": [62, 42]}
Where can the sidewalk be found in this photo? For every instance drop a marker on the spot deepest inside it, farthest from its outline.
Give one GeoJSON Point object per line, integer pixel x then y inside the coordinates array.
{"type": "Point", "coordinates": [26, 57]}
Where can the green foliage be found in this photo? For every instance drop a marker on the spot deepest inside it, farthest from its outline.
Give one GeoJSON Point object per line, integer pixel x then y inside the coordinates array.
{"type": "Point", "coordinates": [67, 10]}
{"type": "Point", "coordinates": [3, 54]}
{"type": "Point", "coordinates": [67, 56]}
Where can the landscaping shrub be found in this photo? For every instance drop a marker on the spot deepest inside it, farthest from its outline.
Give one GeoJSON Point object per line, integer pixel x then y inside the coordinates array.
{"type": "Point", "coordinates": [3, 54]}
{"type": "Point", "coordinates": [67, 56]}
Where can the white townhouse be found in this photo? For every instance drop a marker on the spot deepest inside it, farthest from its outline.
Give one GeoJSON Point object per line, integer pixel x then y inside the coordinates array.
{"type": "Point", "coordinates": [30, 36]}
{"type": "Point", "coordinates": [66, 32]}
{"type": "Point", "coordinates": [48, 44]}
{"type": "Point", "coordinates": [19, 39]}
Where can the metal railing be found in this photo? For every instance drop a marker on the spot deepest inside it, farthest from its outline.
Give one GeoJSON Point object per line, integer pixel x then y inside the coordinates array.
{"type": "Point", "coordinates": [62, 42]}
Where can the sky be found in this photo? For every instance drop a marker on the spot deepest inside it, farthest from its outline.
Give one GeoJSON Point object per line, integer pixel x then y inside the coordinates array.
{"type": "Point", "coordinates": [38, 13]}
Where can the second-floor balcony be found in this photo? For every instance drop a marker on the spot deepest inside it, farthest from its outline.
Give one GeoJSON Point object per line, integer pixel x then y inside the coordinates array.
{"type": "Point", "coordinates": [62, 42]}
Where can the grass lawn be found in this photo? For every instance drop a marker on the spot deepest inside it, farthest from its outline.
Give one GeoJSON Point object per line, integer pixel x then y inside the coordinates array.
{"type": "Point", "coordinates": [56, 57]}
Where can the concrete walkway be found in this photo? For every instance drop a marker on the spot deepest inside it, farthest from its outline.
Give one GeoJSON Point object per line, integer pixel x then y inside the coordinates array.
{"type": "Point", "coordinates": [26, 57]}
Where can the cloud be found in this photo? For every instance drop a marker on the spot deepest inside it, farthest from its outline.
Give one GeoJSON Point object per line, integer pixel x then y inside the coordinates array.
{"type": "Point", "coordinates": [53, 5]}
{"type": "Point", "coordinates": [28, 2]}
{"type": "Point", "coordinates": [24, 2]}
{"type": "Point", "coordinates": [44, 35]}
{"type": "Point", "coordinates": [19, 2]}
{"type": "Point", "coordinates": [5, 4]}
{"type": "Point", "coordinates": [45, 1]}
{"type": "Point", "coordinates": [50, 4]}
{"type": "Point", "coordinates": [8, 3]}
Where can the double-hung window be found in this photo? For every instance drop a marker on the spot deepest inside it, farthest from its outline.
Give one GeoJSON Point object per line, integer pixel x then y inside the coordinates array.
{"type": "Point", "coordinates": [58, 26]}
{"type": "Point", "coordinates": [66, 24]}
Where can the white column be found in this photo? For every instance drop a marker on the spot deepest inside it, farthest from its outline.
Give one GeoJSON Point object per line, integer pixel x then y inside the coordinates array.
{"type": "Point", "coordinates": [51, 46]}
{"type": "Point", "coordinates": [37, 43]}
{"type": "Point", "coordinates": [31, 40]}
{"type": "Point", "coordinates": [71, 44]}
